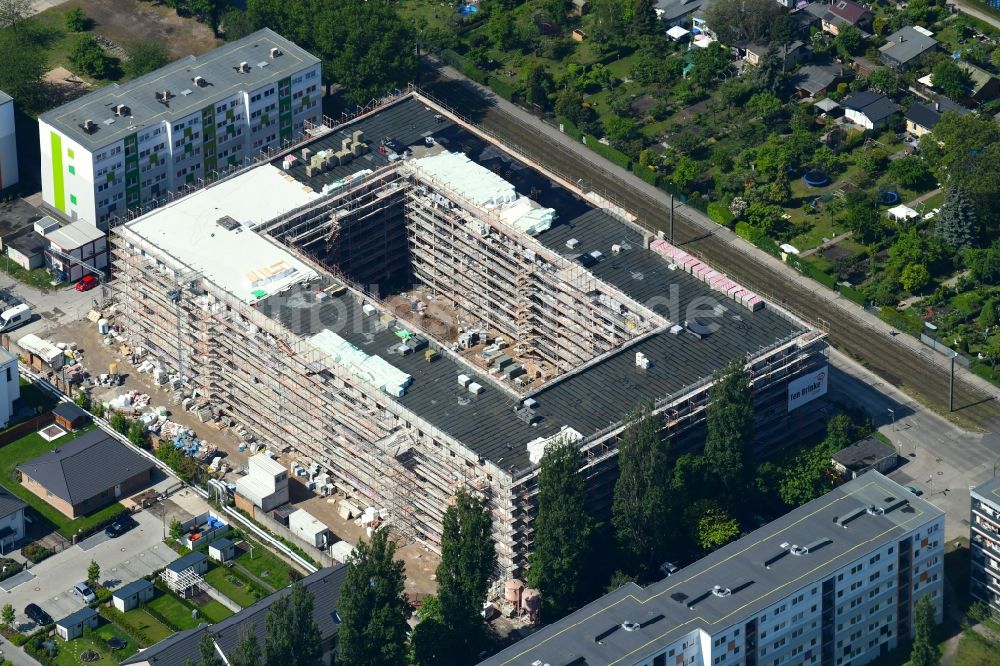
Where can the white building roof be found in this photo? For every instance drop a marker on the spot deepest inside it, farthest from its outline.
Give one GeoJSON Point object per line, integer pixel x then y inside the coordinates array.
{"type": "Point", "coordinates": [305, 522]}
{"type": "Point", "coordinates": [44, 349]}
{"type": "Point", "coordinates": [677, 32]}
{"type": "Point", "coordinates": [374, 370]}
{"type": "Point", "coordinates": [266, 465]}
{"type": "Point", "coordinates": [476, 183]}
{"type": "Point", "coordinates": [902, 212]}
{"type": "Point", "coordinates": [238, 260]}
{"type": "Point", "coordinates": [74, 235]}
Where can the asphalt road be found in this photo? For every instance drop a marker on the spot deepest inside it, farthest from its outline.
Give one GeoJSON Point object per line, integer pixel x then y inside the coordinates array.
{"type": "Point", "coordinates": [900, 360]}
{"type": "Point", "coordinates": [49, 309]}
{"type": "Point", "coordinates": [967, 7]}
{"type": "Point", "coordinates": [131, 556]}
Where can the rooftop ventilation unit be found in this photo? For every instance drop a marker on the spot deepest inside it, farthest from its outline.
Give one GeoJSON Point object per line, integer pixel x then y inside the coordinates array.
{"type": "Point", "coordinates": [163, 97]}
{"type": "Point", "coordinates": [721, 592]}
{"type": "Point", "coordinates": [199, 81]}
{"type": "Point", "coordinates": [853, 515]}
{"type": "Point", "coordinates": [228, 223]}
{"type": "Point", "coordinates": [874, 510]}
{"type": "Point", "coordinates": [122, 110]}
{"type": "Point", "coordinates": [243, 67]}
{"type": "Point", "coordinates": [275, 52]}
{"type": "Point", "coordinates": [628, 625]}
{"type": "Point", "coordinates": [88, 126]}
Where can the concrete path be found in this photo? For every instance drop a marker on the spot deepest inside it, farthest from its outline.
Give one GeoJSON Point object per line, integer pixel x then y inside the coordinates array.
{"type": "Point", "coordinates": [840, 306]}
{"type": "Point", "coordinates": [823, 246]}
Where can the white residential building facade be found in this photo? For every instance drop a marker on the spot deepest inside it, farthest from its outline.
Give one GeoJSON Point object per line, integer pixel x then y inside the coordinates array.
{"type": "Point", "coordinates": [8, 143]}
{"type": "Point", "coordinates": [10, 382]}
{"type": "Point", "coordinates": [984, 544]}
{"type": "Point", "coordinates": [128, 147]}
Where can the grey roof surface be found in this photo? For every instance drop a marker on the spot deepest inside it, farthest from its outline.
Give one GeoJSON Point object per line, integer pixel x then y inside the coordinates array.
{"type": "Point", "coordinates": [906, 44]}
{"type": "Point", "coordinates": [325, 586]}
{"type": "Point", "coordinates": [28, 243]}
{"type": "Point", "coordinates": [863, 453]}
{"type": "Point", "coordinates": [134, 587]}
{"type": "Point", "coordinates": [874, 105]}
{"type": "Point", "coordinates": [217, 67]}
{"type": "Point", "coordinates": [9, 502]}
{"type": "Point", "coordinates": [187, 561]}
{"type": "Point", "coordinates": [77, 617]}
{"type": "Point", "coordinates": [817, 78]}
{"type": "Point", "coordinates": [221, 543]}
{"type": "Point", "coordinates": [69, 411]}
{"type": "Point", "coordinates": [588, 401]}
{"type": "Point", "coordinates": [4, 97]}
{"type": "Point", "coordinates": [86, 466]}
{"type": "Point", "coordinates": [926, 115]}
{"type": "Point", "coordinates": [671, 10]}
{"type": "Point", "coordinates": [662, 609]}
{"type": "Point", "coordinates": [989, 490]}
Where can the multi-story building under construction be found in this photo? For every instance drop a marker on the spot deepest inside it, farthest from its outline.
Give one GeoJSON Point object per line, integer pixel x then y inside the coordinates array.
{"type": "Point", "coordinates": [406, 308]}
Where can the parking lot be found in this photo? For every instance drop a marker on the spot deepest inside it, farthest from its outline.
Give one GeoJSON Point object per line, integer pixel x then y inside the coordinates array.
{"type": "Point", "coordinates": [49, 584]}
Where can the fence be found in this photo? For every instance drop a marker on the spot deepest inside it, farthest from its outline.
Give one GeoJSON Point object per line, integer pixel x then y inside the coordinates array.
{"type": "Point", "coordinates": [276, 527]}
{"type": "Point", "coordinates": [16, 432]}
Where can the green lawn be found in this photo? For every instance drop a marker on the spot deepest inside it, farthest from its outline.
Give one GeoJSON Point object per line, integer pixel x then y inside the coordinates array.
{"type": "Point", "coordinates": [975, 650]}
{"type": "Point", "coordinates": [32, 446]}
{"type": "Point", "coordinates": [39, 278]}
{"type": "Point", "coordinates": [176, 612]}
{"type": "Point", "coordinates": [266, 566]}
{"type": "Point", "coordinates": [234, 586]}
{"type": "Point", "coordinates": [155, 629]}
{"type": "Point", "coordinates": [69, 652]}
{"type": "Point", "coordinates": [214, 612]}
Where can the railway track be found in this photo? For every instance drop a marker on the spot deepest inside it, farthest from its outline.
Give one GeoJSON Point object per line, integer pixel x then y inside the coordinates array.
{"type": "Point", "coordinates": [895, 363]}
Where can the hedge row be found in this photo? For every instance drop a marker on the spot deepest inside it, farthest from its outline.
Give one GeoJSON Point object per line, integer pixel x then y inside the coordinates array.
{"type": "Point", "coordinates": [809, 270]}
{"type": "Point", "coordinates": [718, 213]}
{"type": "Point", "coordinates": [650, 177]}
{"type": "Point", "coordinates": [897, 320]}
{"type": "Point", "coordinates": [608, 153]}
{"type": "Point", "coordinates": [757, 236]}
{"type": "Point", "coordinates": [570, 128]}
{"type": "Point", "coordinates": [502, 88]}
{"type": "Point", "coordinates": [852, 294]}
{"type": "Point", "coordinates": [464, 66]}
{"type": "Point", "coordinates": [133, 630]}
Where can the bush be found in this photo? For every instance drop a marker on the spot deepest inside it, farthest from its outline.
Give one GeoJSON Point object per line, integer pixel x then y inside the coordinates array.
{"type": "Point", "coordinates": [810, 270]}
{"type": "Point", "coordinates": [608, 153]}
{"type": "Point", "coordinates": [650, 177]}
{"type": "Point", "coordinates": [852, 294]}
{"type": "Point", "coordinates": [18, 639]}
{"type": "Point", "coordinates": [35, 552]}
{"type": "Point", "coordinates": [87, 56]}
{"type": "Point", "coordinates": [502, 88]}
{"type": "Point", "coordinates": [570, 128]}
{"type": "Point", "coordinates": [76, 20]}
{"type": "Point", "coordinates": [898, 320]}
{"type": "Point", "coordinates": [720, 214]}
{"type": "Point", "coordinates": [757, 236]}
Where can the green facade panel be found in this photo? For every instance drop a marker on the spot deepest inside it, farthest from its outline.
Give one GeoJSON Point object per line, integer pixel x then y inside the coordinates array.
{"type": "Point", "coordinates": [58, 179]}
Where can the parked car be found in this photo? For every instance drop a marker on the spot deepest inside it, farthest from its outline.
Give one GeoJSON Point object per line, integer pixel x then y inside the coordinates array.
{"type": "Point", "coordinates": [37, 615]}
{"type": "Point", "coordinates": [85, 592]}
{"type": "Point", "coordinates": [916, 491]}
{"type": "Point", "coordinates": [87, 283]}
{"type": "Point", "coordinates": [120, 526]}
{"type": "Point", "coordinates": [669, 568]}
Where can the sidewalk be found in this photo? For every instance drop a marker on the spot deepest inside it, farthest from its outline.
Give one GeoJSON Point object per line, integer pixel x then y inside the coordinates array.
{"type": "Point", "coordinates": [842, 306]}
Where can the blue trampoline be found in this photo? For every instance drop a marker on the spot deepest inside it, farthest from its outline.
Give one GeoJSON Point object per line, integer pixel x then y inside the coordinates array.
{"type": "Point", "coordinates": [888, 197]}
{"type": "Point", "coordinates": [816, 178]}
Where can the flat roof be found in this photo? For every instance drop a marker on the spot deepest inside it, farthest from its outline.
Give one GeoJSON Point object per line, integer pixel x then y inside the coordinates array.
{"type": "Point", "coordinates": [864, 453]}
{"type": "Point", "coordinates": [906, 44]}
{"type": "Point", "coordinates": [989, 490]}
{"type": "Point", "coordinates": [218, 67]}
{"type": "Point", "coordinates": [134, 587]}
{"type": "Point", "coordinates": [756, 569]}
{"type": "Point", "coordinates": [74, 235]}
{"type": "Point", "coordinates": [234, 257]}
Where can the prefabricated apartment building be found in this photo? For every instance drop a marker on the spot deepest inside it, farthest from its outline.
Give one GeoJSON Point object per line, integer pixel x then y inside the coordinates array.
{"type": "Point", "coordinates": [409, 309]}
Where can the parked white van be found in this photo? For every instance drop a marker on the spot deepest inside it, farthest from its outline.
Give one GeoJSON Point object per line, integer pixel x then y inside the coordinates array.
{"type": "Point", "coordinates": [14, 317]}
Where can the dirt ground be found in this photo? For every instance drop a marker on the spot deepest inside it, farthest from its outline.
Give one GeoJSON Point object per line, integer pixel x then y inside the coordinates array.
{"type": "Point", "coordinates": [124, 21]}
{"type": "Point", "coordinates": [420, 562]}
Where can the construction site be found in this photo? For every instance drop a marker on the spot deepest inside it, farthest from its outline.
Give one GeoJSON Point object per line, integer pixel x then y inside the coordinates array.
{"type": "Point", "coordinates": [404, 308]}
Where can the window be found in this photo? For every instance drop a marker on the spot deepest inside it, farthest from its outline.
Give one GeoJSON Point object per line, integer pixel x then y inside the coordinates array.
{"type": "Point", "coordinates": [72, 170]}
{"type": "Point", "coordinates": [69, 153]}
{"type": "Point", "coordinates": [72, 199]}
{"type": "Point", "coordinates": [8, 374]}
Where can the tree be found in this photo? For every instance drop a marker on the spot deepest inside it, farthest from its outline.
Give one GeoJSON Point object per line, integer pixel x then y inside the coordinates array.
{"type": "Point", "coordinates": [278, 645]}
{"type": "Point", "coordinates": [236, 24]}
{"type": "Point", "coordinates": [93, 573]}
{"type": "Point", "coordinates": [21, 77]}
{"type": "Point", "coordinates": [7, 616]}
{"type": "Point", "coordinates": [537, 84]}
{"type": "Point", "coordinates": [910, 172]}
{"type": "Point", "coordinates": [713, 526]}
{"type": "Point", "coordinates": [206, 650]}
{"type": "Point", "coordinates": [925, 651]}
{"type": "Point", "coordinates": [685, 171]}
{"type": "Point", "coordinates": [849, 41]}
{"type": "Point", "coordinates": [769, 75]}
{"type": "Point", "coordinates": [779, 190]}
{"type": "Point", "coordinates": [914, 277]}
{"type": "Point", "coordinates": [956, 224]}
{"type": "Point", "coordinates": [884, 81]}
{"type": "Point", "coordinates": [764, 105]}
{"type": "Point", "coordinates": [137, 434]}
{"type": "Point", "coordinates": [618, 129]}
{"type": "Point", "coordinates": [500, 30]}
{"type": "Point", "coordinates": [306, 640]}
{"type": "Point", "coordinates": [730, 430]}
{"type": "Point", "coordinates": [373, 606]}
{"type": "Point", "coordinates": [145, 56]}
{"type": "Point", "coordinates": [710, 63]}
{"type": "Point", "coordinates": [119, 423]}
{"type": "Point", "coordinates": [88, 56]}
{"type": "Point", "coordinates": [247, 652]}
{"type": "Point", "coordinates": [14, 12]}
{"type": "Point", "coordinates": [644, 20]}
{"type": "Point", "coordinates": [82, 399]}
{"type": "Point", "coordinates": [640, 509]}
{"type": "Point", "coordinates": [176, 530]}
{"type": "Point", "coordinates": [951, 79]}
{"type": "Point", "coordinates": [76, 20]}
{"type": "Point", "coordinates": [563, 529]}
{"type": "Point", "coordinates": [468, 558]}
{"type": "Point", "coordinates": [751, 20]}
